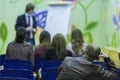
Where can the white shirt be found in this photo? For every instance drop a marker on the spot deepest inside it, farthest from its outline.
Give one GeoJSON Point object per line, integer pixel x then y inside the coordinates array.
{"type": "Point", "coordinates": [31, 23]}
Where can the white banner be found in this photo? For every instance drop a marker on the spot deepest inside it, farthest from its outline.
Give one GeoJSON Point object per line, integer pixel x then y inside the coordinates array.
{"type": "Point", "coordinates": [58, 18]}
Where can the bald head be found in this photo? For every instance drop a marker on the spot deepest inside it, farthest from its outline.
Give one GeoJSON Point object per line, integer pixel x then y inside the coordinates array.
{"type": "Point", "coordinates": [93, 51]}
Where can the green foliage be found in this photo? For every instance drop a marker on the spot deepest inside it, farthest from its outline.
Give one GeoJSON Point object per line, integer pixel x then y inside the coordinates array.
{"type": "Point", "coordinates": [37, 1]}
{"type": "Point", "coordinates": [3, 32]}
{"type": "Point", "coordinates": [87, 34]}
{"type": "Point", "coordinates": [87, 37]}
{"type": "Point", "coordinates": [3, 35]}
{"type": "Point", "coordinates": [91, 25]}
{"type": "Point", "coordinates": [114, 40]}
{"type": "Point", "coordinates": [68, 38]}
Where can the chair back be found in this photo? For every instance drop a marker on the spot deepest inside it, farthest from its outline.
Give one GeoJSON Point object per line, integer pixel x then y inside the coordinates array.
{"type": "Point", "coordinates": [50, 69]}
{"type": "Point", "coordinates": [51, 73]}
{"type": "Point", "coordinates": [103, 64]}
{"type": "Point", "coordinates": [51, 63]}
{"type": "Point", "coordinates": [37, 64]}
{"type": "Point", "coordinates": [12, 78]}
{"type": "Point", "coordinates": [17, 64]}
{"type": "Point", "coordinates": [2, 59]}
{"type": "Point", "coordinates": [28, 74]}
{"type": "Point", "coordinates": [118, 73]}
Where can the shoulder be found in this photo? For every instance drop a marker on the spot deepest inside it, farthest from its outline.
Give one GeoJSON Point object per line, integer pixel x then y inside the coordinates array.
{"type": "Point", "coordinates": [70, 44]}
{"type": "Point", "coordinates": [21, 16]}
{"type": "Point", "coordinates": [38, 47]}
{"type": "Point", "coordinates": [69, 52]}
{"type": "Point", "coordinates": [11, 43]}
{"type": "Point", "coordinates": [25, 44]}
{"type": "Point", "coordinates": [68, 58]}
{"type": "Point", "coordinates": [69, 47]}
{"type": "Point", "coordinates": [50, 51]}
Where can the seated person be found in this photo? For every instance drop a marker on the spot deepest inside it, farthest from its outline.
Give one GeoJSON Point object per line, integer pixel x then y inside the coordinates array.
{"type": "Point", "coordinates": [18, 49]}
{"type": "Point", "coordinates": [77, 44]}
{"type": "Point", "coordinates": [45, 40]}
{"type": "Point", "coordinates": [81, 68]}
{"type": "Point", "coordinates": [58, 50]}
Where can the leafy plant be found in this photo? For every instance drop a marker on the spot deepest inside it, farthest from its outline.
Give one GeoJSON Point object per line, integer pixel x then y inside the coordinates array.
{"type": "Point", "coordinates": [87, 31]}
{"type": "Point", "coordinates": [87, 37]}
{"type": "Point", "coordinates": [3, 35]}
{"type": "Point", "coordinates": [3, 32]}
{"type": "Point", "coordinates": [91, 26]}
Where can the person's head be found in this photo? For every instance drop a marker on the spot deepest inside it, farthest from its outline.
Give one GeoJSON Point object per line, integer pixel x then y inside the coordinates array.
{"type": "Point", "coordinates": [45, 37]}
{"type": "Point", "coordinates": [59, 43]}
{"type": "Point", "coordinates": [29, 8]}
{"type": "Point", "coordinates": [93, 52]}
{"type": "Point", "coordinates": [20, 35]}
{"type": "Point", "coordinates": [77, 40]}
{"type": "Point", "coordinates": [77, 34]}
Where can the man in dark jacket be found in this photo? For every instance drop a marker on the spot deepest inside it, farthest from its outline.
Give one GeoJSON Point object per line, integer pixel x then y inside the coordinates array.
{"type": "Point", "coordinates": [28, 21]}
{"type": "Point", "coordinates": [81, 68]}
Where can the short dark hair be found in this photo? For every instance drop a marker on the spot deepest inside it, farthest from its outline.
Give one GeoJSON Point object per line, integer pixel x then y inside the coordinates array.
{"type": "Point", "coordinates": [20, 35]}
{"type": "Point", "coordinates": [93, 51]}
{"type": "Point", "coordinates": [29, 7]}
{"type": "Point", "coordinates": [44, 36]}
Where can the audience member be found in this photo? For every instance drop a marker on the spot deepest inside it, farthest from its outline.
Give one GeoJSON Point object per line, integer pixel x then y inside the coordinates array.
{"type": "Point", "coordinates": [58, 50]}
{"type": "Point", "coordinates": [77, 43]}
{"type": "Point", "coordinates": [28, 21]}
{"type": "Point", "coordinates": [45, 40]}
{"type": "Point", "coordinates": [19, 49]}
{"type": "Point", "coordinates": [81, 68]}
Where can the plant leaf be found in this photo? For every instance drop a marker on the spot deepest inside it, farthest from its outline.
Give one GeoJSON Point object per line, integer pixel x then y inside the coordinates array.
{"type": "Point", "coordinates": [114, 40]}
{"type": "Point", "coordinates": [37, 1]}
{"type": "Point", "coordinates": [91, 25]}
{"type": "Point", "coordinates": [3, 31]}
{"type": "Point", "coordinates": [87, 37]}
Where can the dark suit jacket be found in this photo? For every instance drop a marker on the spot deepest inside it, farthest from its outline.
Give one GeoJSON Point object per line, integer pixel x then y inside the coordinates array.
{"type": "Point", "coordinates": [81, 68]}
{"type": "Point", "coordinates": [21, 21]}
{"type": "Point", "coordinates": [20, 51]}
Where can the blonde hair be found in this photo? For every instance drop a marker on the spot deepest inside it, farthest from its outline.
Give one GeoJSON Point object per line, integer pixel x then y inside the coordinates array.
{"type": "Point", "coordinates": [59, 44]}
